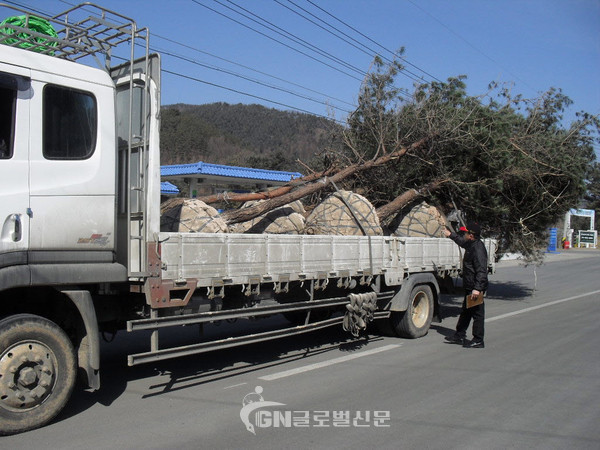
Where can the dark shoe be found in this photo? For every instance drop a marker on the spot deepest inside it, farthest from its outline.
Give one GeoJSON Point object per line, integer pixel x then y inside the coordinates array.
{"type": "Point", "coordinates": [474, 344]}
{"type": "Point", "coordinates": [454, 339]}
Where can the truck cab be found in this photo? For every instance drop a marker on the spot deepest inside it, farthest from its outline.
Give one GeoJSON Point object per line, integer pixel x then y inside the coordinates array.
{"type": "Point", "coordinates": [57, 175]}
{"type": "Point", "coordinates": [79, 196]}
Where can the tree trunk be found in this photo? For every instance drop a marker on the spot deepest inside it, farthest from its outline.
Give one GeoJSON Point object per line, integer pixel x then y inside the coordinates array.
{"type": "Point", "coordinates": [242, 215]}
{"type": "Point", "coordinates": [406, 198]}
{"type": "Point", "coordinates": [265, 195]}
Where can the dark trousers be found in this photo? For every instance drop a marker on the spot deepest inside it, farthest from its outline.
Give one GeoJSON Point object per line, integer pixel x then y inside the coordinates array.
{"type": "Point", "coordinates": [477, 313]}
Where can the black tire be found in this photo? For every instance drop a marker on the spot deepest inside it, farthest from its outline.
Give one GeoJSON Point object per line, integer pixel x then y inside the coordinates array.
{"type": "Point", "coordinates": [38, 370]}
{"type": "Point", "coordinates": [415, 321]}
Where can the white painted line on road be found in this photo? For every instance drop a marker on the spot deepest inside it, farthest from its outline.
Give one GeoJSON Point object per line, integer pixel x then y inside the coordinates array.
{"type": "Point", "coordinates": [234, 386]}
{"type": "Point", "coordinates": [330, 362]}
{"type": "Point", "coordinates": [555, 302]}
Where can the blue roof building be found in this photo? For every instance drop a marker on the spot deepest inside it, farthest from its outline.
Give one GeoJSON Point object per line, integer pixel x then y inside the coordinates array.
{"type": "Point", "coordinates": [167, 188]}
{"type": "Point", "coordinates": [213, 178]}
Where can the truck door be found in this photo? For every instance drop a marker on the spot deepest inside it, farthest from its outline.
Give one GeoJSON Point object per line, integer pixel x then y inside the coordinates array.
{"type": "Point", "coordinates": [15, 91]}
{"type": "Point", "coordinates": [72, 165]}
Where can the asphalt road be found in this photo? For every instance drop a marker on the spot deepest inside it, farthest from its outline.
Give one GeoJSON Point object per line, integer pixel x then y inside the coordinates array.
{"type": "Point", "coordinates": [536, 385]}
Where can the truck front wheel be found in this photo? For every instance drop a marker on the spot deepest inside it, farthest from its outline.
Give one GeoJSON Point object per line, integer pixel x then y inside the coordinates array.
{"type": "Point", "coordinates": [415, 321]}
{"type": "Point", "coordinates": [37, 372]}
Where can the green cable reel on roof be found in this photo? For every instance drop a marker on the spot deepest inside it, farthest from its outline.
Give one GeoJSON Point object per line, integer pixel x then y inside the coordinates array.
{"type": "Point", "coordinates": [25, 40]}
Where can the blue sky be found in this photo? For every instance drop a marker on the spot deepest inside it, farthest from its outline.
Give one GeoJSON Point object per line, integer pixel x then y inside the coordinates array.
{"type": "Point", "coordinates": [534, 44]}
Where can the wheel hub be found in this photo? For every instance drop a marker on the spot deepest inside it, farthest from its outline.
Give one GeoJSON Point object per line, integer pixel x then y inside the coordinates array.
{"type": "Point", "coordinates": [420, 309]}
{"type": "Point", "coordinates": [27, 375]}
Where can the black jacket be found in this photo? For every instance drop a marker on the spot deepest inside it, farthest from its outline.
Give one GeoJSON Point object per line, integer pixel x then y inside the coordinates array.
{"type": "Point", "coordinates": [475, 263]}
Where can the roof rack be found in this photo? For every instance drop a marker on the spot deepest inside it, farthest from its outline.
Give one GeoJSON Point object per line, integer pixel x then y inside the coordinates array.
{"type": "Point", "coordinates": [86, 30]}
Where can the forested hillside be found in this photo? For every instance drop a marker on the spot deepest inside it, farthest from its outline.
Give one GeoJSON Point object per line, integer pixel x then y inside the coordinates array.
{"type": "Point", "coordinates": [245, 135]}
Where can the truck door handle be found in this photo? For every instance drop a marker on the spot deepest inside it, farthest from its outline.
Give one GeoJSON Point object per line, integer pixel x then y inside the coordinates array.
{"type": "Point", "coordinates": [17, 233]}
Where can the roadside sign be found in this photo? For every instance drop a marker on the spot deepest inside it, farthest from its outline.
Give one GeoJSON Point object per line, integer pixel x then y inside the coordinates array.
{"type": "Point", "coordinates": [588, 237]}
{"type": "Point", "coordinates": [552, 241]}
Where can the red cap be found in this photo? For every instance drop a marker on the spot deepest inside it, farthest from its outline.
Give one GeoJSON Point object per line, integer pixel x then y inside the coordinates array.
{"type": "Point", "coordinates": [463, 229]}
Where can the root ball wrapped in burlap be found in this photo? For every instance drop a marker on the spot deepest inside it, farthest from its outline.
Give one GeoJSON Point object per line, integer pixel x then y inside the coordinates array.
{"type": "Point", "coordinates": [423, 220]}
{"type": "Point", "coordinates": [340, 213]}
{"type": "Point", "coordinates": [287, 219]}
{"type": "Point", "coordinates": [190, 215]}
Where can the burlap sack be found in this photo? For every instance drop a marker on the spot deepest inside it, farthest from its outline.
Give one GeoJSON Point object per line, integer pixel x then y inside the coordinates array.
{"type": "Point", "coordinates": [422, 221]}
{"type": "Point", "coordinates": [332, 216]}
{"type": "Point", "coordinates": [287, 219]}
{"type": "Point", "coordinates": [190, 215]}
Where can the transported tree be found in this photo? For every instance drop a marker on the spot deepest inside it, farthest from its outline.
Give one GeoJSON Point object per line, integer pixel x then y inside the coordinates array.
{"type": "Point", "coordinates": [506, 161]}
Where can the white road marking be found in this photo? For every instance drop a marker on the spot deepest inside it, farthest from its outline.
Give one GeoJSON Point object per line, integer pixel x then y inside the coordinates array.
{"type": "Point", "coordinates": [330, 362]}
{"type": "Point", "coordinates": [235, 385]}
{"type": "Point", "coordinates": [555, 302]}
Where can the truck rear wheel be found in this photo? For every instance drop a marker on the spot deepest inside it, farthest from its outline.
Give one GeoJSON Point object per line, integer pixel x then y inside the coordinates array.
{"type": "Point", "coordinates": [37, 372]}
{"type": "Point", "coordinates": [415, 321]}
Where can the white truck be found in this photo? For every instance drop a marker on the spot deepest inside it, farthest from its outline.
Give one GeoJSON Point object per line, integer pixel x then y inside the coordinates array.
{"type": "Point", "coordinates": [81, 251]}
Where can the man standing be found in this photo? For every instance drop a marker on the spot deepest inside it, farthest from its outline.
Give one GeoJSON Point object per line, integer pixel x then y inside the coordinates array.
{"type": "Point", "coordinates": [475, 282]}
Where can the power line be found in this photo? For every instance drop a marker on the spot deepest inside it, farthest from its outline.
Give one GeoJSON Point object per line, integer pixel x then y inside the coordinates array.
{"type": "Point", "coordinates": [219, 69]}
{"type": "Point", "coordinates": [467, 42]}
{"type": "Point", "coordinates": [314, 23]}
{"type": "Point", "coordinates": [215, 68]}
{"type": "Point", "coordinates": [237, 91]}
{"type": "Point", "coordinates": [253, 69]}
{"type": "Point", "coordinates": [273, 39]}
{"type": "Point", "coordinates": [294, 37]}
{"type": "Point", "coordinates": [372, 53]}
{"type": "Point", "coordinates": [248, 95]}
{"type": "Point", "coordinates": [31, 8]}
{"type": "Point", "coordinates": [374, 42]}
{"type": "Point", "coordinates": [286, 34]}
